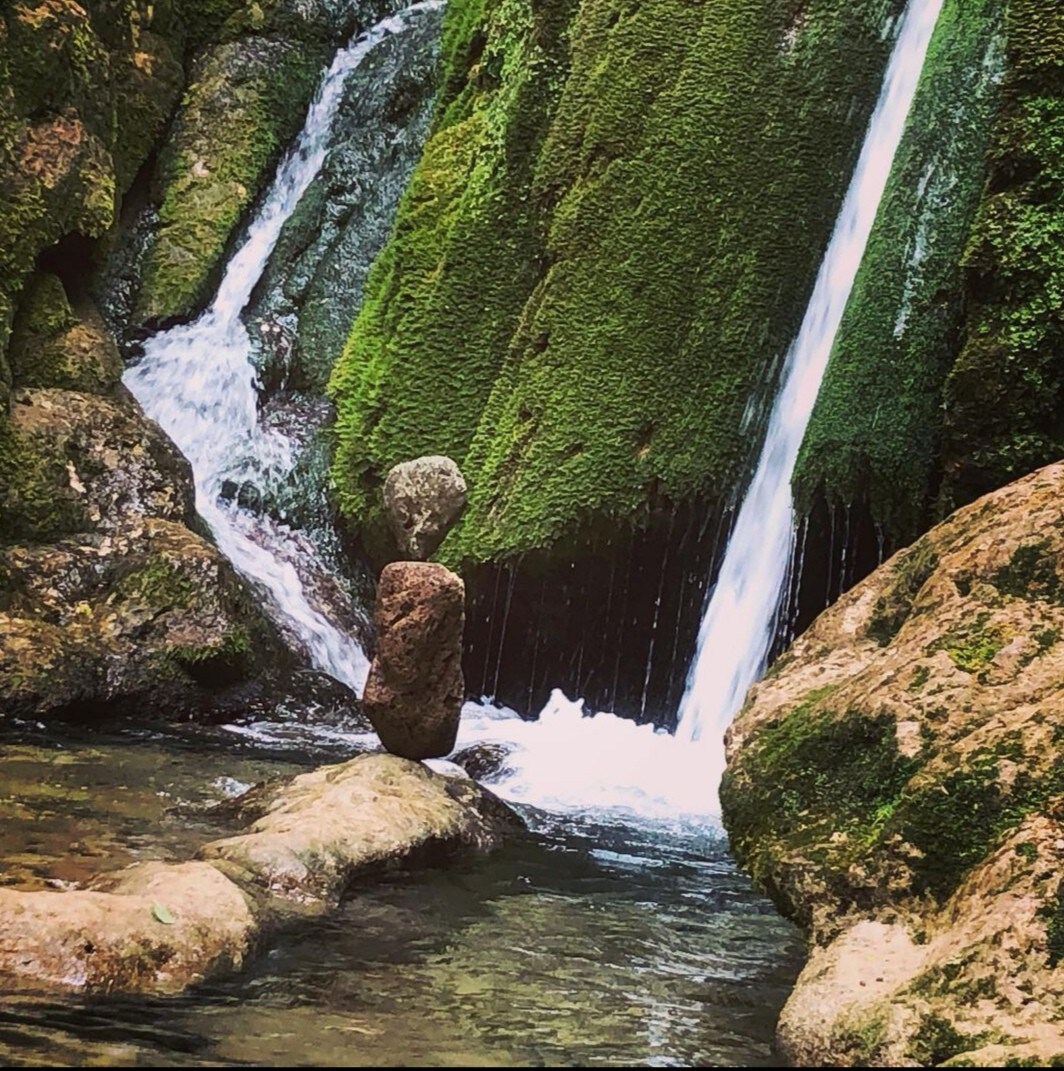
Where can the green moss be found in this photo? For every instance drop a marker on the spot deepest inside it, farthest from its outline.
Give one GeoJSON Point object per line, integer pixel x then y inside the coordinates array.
{"type": "Point", "coordinates": [971, 646]}
{"type": "Point", "coordinates": [954, 979]}
{"type": "Point", "coordinates": [810, 775]}
{"type": "Point", "coordinates": [937, 1040]}
{"type": "Point", "coordinates": [1030, 573]}
{"type": "Point", "coordinates": [51, 347]}
{"type": "Point", "coordinates": [875, 431]}
{"type": "Point", "coordinates": [206, 179]}
{"type": "Point", "coordinates": [1003, 393]}
{"type": "Point", "coordinates": [864, 1042]}
{"type": "Point", "coordinates": [30, 508]}
{"type": "Point", "coordinates": [1027, 850]}
{"type": "Point", "coordinates": [159, 583]}
{"type": "Point", "coordinates": [921, 675]}
{"type": "Point", "coordinates": [909, 572]}
{"type": "Point", "coordinates": [606, 246]}
{"type": "Point", "coordinates": [1053, 913]}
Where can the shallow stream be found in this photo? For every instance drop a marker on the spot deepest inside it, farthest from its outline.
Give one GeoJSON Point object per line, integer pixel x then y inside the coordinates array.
{"type": "Point", "coordinates": [606, 936]}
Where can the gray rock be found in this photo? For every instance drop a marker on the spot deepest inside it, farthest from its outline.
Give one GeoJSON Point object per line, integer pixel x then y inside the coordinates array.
{"type": "Point", "coordinates": [422, 499]}
{"type": "Point", "coordinates": [414, 692]}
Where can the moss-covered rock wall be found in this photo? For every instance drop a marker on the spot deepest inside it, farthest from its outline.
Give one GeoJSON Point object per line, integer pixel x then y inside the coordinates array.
{"type": "Point", "coordinates": [875, 433]}
{"type": "Point", "coordinates": [1004, 391]}
{"type": "Point", "coordinates": [602, 254]}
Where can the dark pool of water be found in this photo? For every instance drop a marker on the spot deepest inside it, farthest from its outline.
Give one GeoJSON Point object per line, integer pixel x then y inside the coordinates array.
{"type": "Point", "coordinates": [586, 943]}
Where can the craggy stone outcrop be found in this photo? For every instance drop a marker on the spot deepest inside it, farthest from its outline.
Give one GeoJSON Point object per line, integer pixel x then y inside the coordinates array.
{"type": "Point", "coordinates": [161, 927]}
{"type": "Point", "coordinates": [146, 615]}
{"type": "Point", "coordinates": [110, 596]}
{"type": "Point", "coordinates": [896, 783]}
{"type": "Point", "coordinates": [415, 687]}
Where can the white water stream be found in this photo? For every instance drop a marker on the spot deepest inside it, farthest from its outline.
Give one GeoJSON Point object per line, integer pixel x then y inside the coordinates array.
{"type": "Point", "coordinates": [198, 382]}
{"type": "Point", "coordinates": [737, 629]}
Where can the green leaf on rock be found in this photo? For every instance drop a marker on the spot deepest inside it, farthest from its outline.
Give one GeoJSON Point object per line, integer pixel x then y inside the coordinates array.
{"type": "Point", "coordinates": [162, 914]}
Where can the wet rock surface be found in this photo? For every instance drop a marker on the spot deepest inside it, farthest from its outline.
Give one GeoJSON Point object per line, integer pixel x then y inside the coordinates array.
{"type": "Point", "coordinates": [312, 838]}
{"type": "Point", "coordinates": [312, 287]}
{"type": "Point", "coordinates": [160, 926]}
{"type": "Point", "coordinates": [896, 783]}
{"type": "Point", "coordinates": [484, 762]}
{"type": "Point", "coordinates": [415, 688]}
{"type": "Point", "coordinates": [422, 499]}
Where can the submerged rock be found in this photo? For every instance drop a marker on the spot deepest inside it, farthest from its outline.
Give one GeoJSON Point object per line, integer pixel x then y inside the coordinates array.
{"type": "Point", "coordinates": [312, 837]}
{"type": "Point", "coordinates": [897, 783]}
{"type": "Point", "coordinates": [415, 688]}
{"type": "Point", "coordinates": [152, 928]}
{"type": "Point", "coordinates": [160, 927]}
{"type": "Point", "coordinates": [422, 499]}
{"type": "Point", "coordinates": [484, 762]}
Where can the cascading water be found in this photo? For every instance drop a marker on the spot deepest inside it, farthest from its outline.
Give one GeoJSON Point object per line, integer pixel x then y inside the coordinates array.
{"type": "Point", "coordinates": [198, 382]}
{"type": "Point", "coordinates": [738, 626]}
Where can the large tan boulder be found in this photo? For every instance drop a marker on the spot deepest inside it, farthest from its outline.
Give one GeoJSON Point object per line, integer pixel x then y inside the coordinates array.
{"type": "Point", "coordinates": [153, 928]}
{"type": "Point", "coordinates": [314, 836]}
{"type": "Point", "coordinates": [415, 688]}
{"type": "Point", "coordinates": [897, 785]}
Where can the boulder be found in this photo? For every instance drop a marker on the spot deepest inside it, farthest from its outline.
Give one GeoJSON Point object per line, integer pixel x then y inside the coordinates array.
{"type": "Point", "coordinates": [897, 784]}
{"type": "Point", "coordinates": [160, 927]}
{"type": "Point", "coordinates": [311, 838]}
{"type": "Point", "coordinates": [152, 928]}
{"type": "Point", "coordinates": [484, 762]}
{"type": "Point", "coordinates": [149, 614]}
{"type": "Point", "coordinates": [415, 688]}
{"type": "Point", "coordinates": [89, 463]}
{"type": "Point", "coordinates": [422, 499]}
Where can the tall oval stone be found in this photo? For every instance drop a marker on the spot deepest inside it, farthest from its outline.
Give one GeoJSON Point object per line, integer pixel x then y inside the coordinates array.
{"type": "Point", "coordinates": [415, 688]}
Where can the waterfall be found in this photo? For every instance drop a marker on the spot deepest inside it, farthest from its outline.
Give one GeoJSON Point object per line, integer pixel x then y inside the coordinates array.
{"type": "Point", "coordinates": [197, 381]}
{"type": "Point", "coordinates": [738, 625]}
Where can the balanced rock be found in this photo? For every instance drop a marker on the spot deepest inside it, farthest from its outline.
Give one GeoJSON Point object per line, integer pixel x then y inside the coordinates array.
{"type": "Point", "coordinates": [422, 499]}
{"type": "Point", "coordinates": [414, 693]}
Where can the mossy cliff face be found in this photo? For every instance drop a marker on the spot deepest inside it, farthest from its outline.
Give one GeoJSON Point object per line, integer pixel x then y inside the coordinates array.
{"type": "Point", "coordinates": [1003, 394]}
{"type": "Point", "coordinates": [605, 247]}
{"type": "Point", "coordinates": [946, 379]}
{"type": "Point", "coordinates": [252, 67]}
{"type": "Point", "coordinates": [85, 89]}
{"type": "Point", "coordinates": [109, 599]}
{"type": "Point", "coordinates": [874, 436]}
{"type": "Point", "coordinates": [896, 783]}
{"type": "Point", "coordinates": [246, 99]}
{"type": "Point", "coordinates": [313, 284]}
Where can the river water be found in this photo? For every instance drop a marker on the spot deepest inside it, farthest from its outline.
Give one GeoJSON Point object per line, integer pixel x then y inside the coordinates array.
{"type": "Point", "coordinates": [602, 938]}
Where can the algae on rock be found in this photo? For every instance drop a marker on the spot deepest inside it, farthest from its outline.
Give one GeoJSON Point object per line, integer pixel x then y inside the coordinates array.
{"type": "Point", "coordinates": [606, 246]}
{"type": "Point", "coordinates": [896, 786]}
